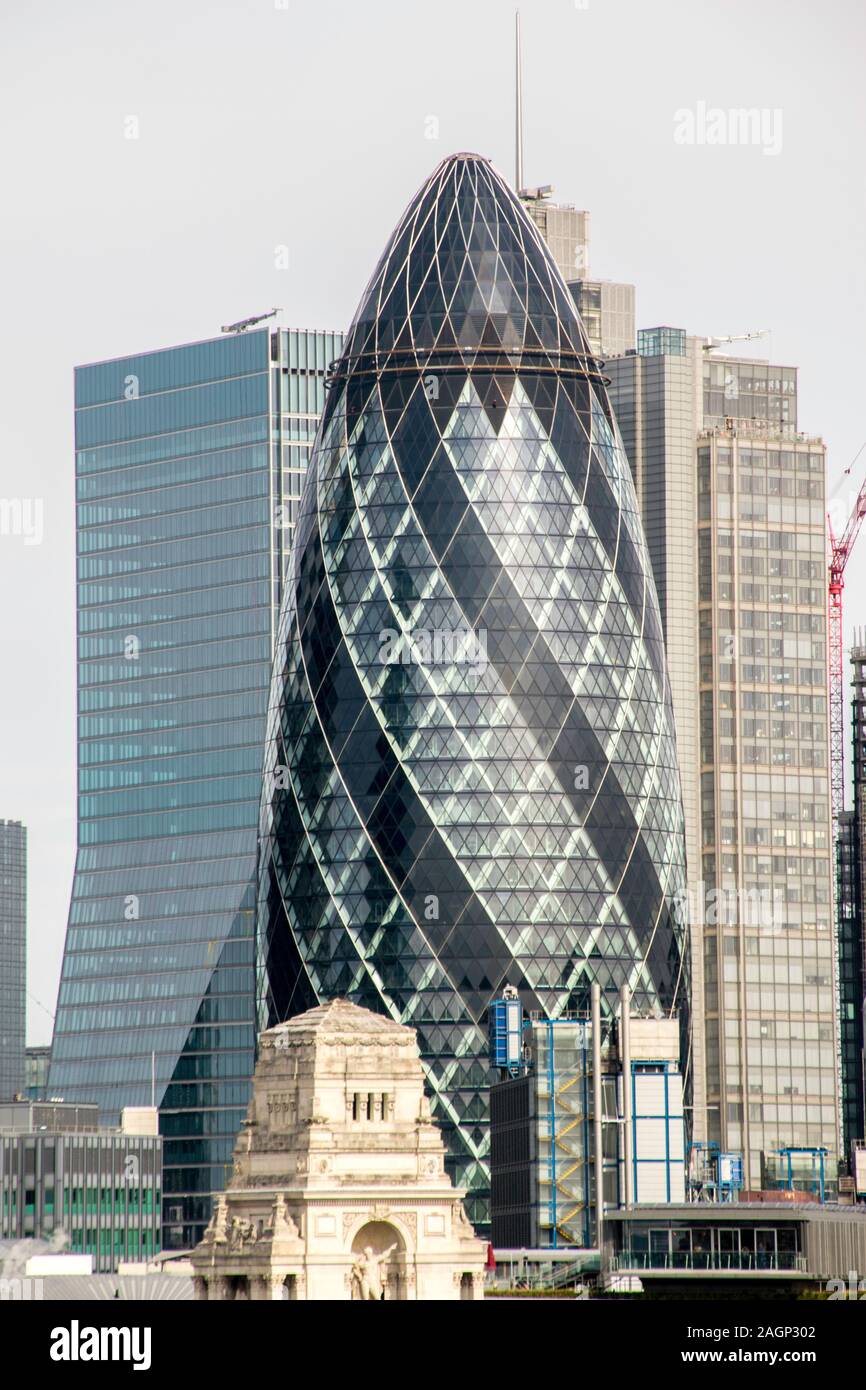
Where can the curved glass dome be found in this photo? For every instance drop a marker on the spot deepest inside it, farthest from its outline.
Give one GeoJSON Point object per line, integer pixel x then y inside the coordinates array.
{"type": "Point", "coordinates": [470, 777]}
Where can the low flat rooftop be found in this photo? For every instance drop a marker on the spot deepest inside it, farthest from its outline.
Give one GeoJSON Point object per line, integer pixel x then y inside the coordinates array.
{"type": "Point", "coordinates": [706, 1213]}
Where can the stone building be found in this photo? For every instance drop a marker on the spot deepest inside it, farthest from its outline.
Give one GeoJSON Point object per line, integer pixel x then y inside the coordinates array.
{"type": "Point", "coordinates": [339, 1189]}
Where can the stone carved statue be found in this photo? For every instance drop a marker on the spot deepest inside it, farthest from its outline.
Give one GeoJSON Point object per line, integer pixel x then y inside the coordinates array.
{"type": "Point", "coordinates": [367, 1273]}
{"type": "Point", "coordinates": [243, 1233]}
{"type": "Point", "coordinates": [281, 1222]}
{"type": "Point", "coordinates": [462, 1224]}
{"type": "Point", "coordinates": [217, 1227]}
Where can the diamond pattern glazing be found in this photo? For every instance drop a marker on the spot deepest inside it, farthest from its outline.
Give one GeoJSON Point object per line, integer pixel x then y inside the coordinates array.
{"type": "Point", "coordinates": [470, 776]}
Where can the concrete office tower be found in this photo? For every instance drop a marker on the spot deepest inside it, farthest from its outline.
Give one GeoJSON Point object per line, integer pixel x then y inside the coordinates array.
{"type": "Point", "coordinates": [607, 311]}
{"type": "Point", "coordinates": [564, 228]}
{"type": "Point", "coordinates": [60, 1171]}
{"type": "Point", "coordinates": [13, 956]}
{"type": "Point", "coordinates": [732, 497]}
{"type": "Point", "coordinates": [656, 397]}
{"type": "Point", "coordinates": [606, 308]}
{"type": "Point", "coordinates": [189, 464]}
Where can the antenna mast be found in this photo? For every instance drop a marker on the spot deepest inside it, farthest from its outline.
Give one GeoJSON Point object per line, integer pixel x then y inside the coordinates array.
{"type": "Point", "coordinates": [518, 163]}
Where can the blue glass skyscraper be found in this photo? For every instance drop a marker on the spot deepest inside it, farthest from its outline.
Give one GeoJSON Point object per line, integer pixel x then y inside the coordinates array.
{"type": "Point", "coordinates": [471, 775]}
{"type": "Point", "coordinates": [189, 464]}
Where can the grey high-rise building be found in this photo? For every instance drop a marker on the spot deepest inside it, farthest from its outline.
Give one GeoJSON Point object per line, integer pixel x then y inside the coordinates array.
{"type": "Point", "coordinates": [13, 956]}
{"type": "Point", "coordinates": [189, 464]}
{"type": "Point", "coordinates": [606, 307]}
{"type": "Point", "coordinates": [61, 1172]}
{"type": "Point", "coordinates": [732, 499]}
{"type": "Point", "coordinates": [607, 311]}
{"type": "Point", "coordinates": [564, 228]}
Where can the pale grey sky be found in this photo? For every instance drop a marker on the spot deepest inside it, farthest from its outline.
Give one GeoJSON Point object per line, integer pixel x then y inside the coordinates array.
{"type": "Point", "coordinates": [304, 123]}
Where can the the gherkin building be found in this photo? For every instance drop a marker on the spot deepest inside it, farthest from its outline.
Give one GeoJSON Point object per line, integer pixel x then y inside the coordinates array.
{"type": "Point", "coordinates": [470, 777]}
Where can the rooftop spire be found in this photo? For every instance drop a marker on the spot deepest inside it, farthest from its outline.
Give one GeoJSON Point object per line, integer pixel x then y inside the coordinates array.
{"type": "Point", "coordinates": [518, 162]}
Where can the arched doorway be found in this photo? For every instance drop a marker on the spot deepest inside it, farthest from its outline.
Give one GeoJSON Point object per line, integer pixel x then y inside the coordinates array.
{"type": "Point", "coordinates": [378, 1264]}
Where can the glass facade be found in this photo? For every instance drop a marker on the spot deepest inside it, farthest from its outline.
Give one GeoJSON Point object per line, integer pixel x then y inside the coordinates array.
{"type": "Point", "coordinates": [36, 1063]}
{"type": "Point", "coordinates": [852, 938]}
{"type": "Point", "coordinates": [742, 1246]}
{"type": "Point", "coordinates": [748, 390]}
{"type": "Point", "coordinates": [470, 775]}
{"type": "Point", "coordinates": [189, 463]}
{"type": "Point", "coordinates": [657, 342]}
{"type": "Point", "coordinates": [13, 956]}
{"type": "Point", "coordinates": [769, 968]}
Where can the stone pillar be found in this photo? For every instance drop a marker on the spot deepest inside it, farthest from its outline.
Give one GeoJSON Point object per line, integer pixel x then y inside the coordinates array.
{"type": "Point", "coordinates": [218, 1288]}
{"type": "Point", "coordinates": [199, 1288]}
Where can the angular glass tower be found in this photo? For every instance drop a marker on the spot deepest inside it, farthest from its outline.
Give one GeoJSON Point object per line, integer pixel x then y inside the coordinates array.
{"type": "Point", "coordinates": [471, 773]}
{"type": "Point", "coordinates": [189, 466]}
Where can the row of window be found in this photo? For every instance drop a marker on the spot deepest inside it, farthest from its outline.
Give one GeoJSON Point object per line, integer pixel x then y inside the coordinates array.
{"type": "Point", "coordinates": [189, 454]}
{"type": "Point", "coordinates": [189, 904]}
{"type": "Point", "coordinates": [156, 665]}
{"type": "Point", "coordinates": [154, 624]}
{"type": "Point", "coordinates": [153, 475]}
{"type": "Point", "coordinates": [170, 635]}
{"type": "Point", "coordinates": [174, 1014]}
{"type": "Point", "coordinates": [231, 816]}
{"type": "Point", "coordinates": [156, 690]}
{"type": "Point", "coordinates": [102, 941]}
{"type": "Point", "coordinates": [171, 851]}
{"type": "Point", "coordinates": [137, 416]}
{"type": "Point", "coordinates": [150, 560]}
{"type": "Point", "coordinates": [799, 514]}
{"type": "Point", "coordinates": [106, 991]}
{"type": "Point", "coordinates": [172, 796]}
{"type": "Point", "coordinates": [193, 364]}
{"type": "Point", "coordinates": [802, 541]}
{"type": "Point", "coordinates": [170, 500]}
{"type": "Point", "coordinates": [78, 1052]}
{"type": "Point", "coordinates": [207, 521]}
{"type": "Point", "coordinates": [181, 714]}
{"type": "Point", "coordinates": [176, 873]}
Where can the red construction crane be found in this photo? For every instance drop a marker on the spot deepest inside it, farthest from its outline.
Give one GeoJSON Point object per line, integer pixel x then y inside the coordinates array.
{"type": "Point", "coordinates": [840, 552]}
